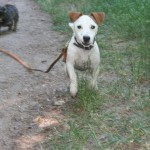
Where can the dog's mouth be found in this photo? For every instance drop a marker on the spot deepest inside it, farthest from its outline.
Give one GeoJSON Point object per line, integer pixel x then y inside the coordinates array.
{"type": "Point", "coordinates": [85, 44]}
{"type": "Point", "coordinates": [86, 40]}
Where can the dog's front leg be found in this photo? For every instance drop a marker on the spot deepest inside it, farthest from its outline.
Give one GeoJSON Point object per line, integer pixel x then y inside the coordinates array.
{"type": "Point", "coordinates": [73, 79]}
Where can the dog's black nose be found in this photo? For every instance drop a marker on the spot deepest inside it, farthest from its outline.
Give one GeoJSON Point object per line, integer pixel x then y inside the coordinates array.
{"type": "Point", "coordinates": [86, 39]}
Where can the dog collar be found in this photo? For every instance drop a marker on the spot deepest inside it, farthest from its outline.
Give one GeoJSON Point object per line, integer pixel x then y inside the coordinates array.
{"type": "Point", "coordinates": [82, 46]}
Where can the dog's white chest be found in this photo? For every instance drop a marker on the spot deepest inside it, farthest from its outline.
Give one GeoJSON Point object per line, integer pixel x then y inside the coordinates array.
{"type": "Point", "coordinates": [83, 61]}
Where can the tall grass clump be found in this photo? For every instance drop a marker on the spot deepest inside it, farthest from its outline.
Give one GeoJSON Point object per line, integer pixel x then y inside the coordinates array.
{"type": "Point", "coordinates": [117, 116]}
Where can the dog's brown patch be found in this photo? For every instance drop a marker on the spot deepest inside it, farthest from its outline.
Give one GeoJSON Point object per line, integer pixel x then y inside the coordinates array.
{"type": "Point", "coordinates": [74, 16]}
{"type": "Point", "coordinates": [98, 17]}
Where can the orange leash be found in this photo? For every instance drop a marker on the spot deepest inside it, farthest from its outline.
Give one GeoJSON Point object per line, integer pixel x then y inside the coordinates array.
{"type": "Point", "coordinates": [24, 64]}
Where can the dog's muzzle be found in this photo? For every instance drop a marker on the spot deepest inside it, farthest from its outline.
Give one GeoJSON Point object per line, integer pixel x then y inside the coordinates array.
{"type": "Point", "coordinates": [85, 45]}
{"type": "Point", "coordinates": [86, 40]}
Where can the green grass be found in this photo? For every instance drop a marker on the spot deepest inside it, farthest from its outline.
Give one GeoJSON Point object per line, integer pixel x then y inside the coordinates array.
{"type": "Point", "coordinates": [117, 117]}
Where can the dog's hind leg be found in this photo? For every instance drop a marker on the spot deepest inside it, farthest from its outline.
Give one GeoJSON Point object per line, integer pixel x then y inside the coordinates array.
{"type": "Point", "coordinates": [15, 23]}
{"type": "Point", "coordinates": [10, 27]}
{"type": "Point", "coordinates": [94, 78]}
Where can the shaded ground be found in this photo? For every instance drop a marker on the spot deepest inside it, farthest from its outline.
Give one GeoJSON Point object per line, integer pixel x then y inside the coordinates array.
{"type": "Point", "coordinates": [26, 99]}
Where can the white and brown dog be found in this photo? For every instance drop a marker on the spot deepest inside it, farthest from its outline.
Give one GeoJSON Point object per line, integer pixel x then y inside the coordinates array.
{"type": "Point", "coordinates": [83, 51]}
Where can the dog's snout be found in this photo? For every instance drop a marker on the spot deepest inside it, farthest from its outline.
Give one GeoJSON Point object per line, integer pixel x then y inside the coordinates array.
{"type": "Point", "coordinates": [86, 39]}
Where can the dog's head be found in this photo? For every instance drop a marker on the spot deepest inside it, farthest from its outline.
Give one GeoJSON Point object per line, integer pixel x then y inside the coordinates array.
{"type": "Point", "coordinates": [85, 27]}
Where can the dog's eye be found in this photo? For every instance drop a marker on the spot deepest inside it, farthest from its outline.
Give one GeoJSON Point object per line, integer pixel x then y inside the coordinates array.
{"type": "Point", "coordinates": [92, 27]}
{"type": "Point", "coordinates": [79, 27]}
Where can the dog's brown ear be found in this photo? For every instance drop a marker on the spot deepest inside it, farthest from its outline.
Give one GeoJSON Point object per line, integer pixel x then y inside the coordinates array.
{"type": "Point", "coordinates": [98, 17]}
{"type": "Point", "coordinates": [74, 16]}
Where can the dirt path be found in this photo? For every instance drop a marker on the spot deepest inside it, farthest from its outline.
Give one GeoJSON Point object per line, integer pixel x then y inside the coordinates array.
{"type": "Point", "coordinates": [26, 98]}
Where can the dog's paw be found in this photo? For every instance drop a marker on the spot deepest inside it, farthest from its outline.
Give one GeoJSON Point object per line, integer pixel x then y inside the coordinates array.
{"type": "Point", "coordinates": [73, 91]}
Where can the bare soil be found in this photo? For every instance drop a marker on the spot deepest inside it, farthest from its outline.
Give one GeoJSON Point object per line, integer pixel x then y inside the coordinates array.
{"type": "Point", "coordinates": [27, 110]}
